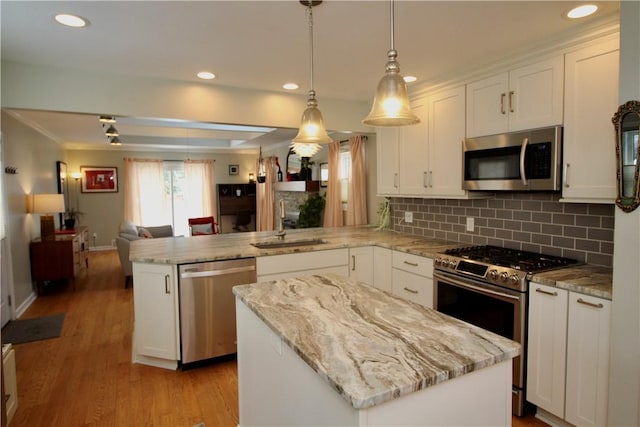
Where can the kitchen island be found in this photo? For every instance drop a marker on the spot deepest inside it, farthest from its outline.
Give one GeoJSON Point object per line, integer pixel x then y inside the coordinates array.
{"type": "Point", "coordinates": [327, 350]}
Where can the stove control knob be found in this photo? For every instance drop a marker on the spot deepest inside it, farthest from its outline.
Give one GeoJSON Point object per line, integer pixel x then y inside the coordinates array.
{"type": "Point", "coordinates": [504, 276]}
{"type": "Point", "coordinates": [452, 264]}
{"type": "Point", "coordinates": [493, 274]}
{"type": "Point", "coordinates": [514, 279]}
{"type": "Point", "coordinates": [437, 260]}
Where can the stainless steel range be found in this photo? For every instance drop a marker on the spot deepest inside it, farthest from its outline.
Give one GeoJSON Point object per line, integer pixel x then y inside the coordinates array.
{"type": "Point", "coordinates": [487, 286]}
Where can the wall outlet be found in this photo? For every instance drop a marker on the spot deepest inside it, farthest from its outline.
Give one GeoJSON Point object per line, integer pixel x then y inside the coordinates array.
{"type": "Point", "coordinates": [470, 224]}
{"type": "Point", "coordinates": [408, 216]}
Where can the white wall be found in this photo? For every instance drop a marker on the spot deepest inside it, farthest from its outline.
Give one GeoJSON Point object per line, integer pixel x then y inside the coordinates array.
{"type": "Point", "coordinates": [624, 393]}
{"type": "Point", "coordinates": [35, 157]}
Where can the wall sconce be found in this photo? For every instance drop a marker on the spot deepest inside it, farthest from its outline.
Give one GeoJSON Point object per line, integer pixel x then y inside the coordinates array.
{"type": "Point", "coordinates": [252, 178]}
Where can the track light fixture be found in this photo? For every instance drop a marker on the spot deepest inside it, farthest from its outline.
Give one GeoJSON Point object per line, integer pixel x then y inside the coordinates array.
{"type": "Point", "coordinates": [107, 119]}
{"type": "Point", "coordinates": [111, 131]}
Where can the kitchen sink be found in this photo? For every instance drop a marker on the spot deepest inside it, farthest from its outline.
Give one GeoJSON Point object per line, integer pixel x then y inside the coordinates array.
{"type": "Point", "coordinates": [275, 244]}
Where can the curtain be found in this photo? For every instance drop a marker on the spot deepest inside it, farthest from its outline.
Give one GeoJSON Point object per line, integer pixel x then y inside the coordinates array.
{"type": "Point", "coordinates": [199, 192]}
{"type": "Point", "coordinates": [145, 201]}
{"type": "Point", "coordinates": [357, 192]}
{"type": "Point", "coordinates": [333, 206]}
{"type": "Point", "coordinates": [266, 198]}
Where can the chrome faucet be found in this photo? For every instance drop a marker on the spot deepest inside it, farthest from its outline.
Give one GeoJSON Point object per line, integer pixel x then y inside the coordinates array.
{"type": "Point", "coordinates": [281, 233]}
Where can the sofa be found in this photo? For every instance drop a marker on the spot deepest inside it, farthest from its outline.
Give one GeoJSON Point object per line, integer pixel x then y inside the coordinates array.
{"type": "Point", "coordinates": [128, 233]}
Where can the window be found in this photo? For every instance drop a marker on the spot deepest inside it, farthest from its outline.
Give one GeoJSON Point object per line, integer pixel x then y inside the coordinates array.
{"type": "Point", "coordinates": [345, 174]}
{"type": "Point", "coordinates": [174, 183]}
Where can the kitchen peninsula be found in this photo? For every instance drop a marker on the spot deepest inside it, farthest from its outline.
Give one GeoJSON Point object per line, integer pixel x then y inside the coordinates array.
{"type": "Point", "coordinates": [327, 350]}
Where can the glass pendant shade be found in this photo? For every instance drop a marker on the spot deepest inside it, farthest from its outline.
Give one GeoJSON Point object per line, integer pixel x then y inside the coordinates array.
{"type": "Point", "coordinates": [262, 172]}
{"type": "Point", "coordinates": [312, 130]}
{"type": "Point", "coordinates": [391, 105]}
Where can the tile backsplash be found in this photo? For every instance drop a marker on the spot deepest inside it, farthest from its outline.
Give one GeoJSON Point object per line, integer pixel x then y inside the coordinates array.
{"type": "Point", "coordinates": [536, 222]}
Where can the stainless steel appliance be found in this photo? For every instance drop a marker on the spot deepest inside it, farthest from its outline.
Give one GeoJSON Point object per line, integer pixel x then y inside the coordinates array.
{"type": "Point", "coordinates": [519, 161]}
{"type": "Point", "coordinates": [487, 286]}
{"type": "Point", "coordinates": [207, 306]}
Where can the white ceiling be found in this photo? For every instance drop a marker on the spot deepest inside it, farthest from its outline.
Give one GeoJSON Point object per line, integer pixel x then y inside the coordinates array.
{"type": "Point", "coordinates": [262, 45]}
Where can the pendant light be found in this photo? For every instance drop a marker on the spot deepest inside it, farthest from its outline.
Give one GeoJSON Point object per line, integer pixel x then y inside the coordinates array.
{"type": "Point", "coordinates": [312, 131]}
{"type": "Point", "coordinates": [262, 172]}
{"type": "Point", "coordinates": [391, 103]}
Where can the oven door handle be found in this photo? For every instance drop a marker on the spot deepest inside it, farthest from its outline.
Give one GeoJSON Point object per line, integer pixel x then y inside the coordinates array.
{"type": "Point", "coordinates": [523, 155]}
{"type": "Point", "coordinates": [480, 289]}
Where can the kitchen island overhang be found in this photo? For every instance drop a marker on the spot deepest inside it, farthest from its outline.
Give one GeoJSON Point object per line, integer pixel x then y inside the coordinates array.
{"type": "Point", "coordinates": [326, 350]}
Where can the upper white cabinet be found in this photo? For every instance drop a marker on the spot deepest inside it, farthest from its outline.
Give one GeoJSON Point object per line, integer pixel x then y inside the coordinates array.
{"type": "Point", "coordinates": [591, 99]}
{"type": "Point", "coordinates": [525, 98]}
{"type": "Point", "coordinates": [425, 159]}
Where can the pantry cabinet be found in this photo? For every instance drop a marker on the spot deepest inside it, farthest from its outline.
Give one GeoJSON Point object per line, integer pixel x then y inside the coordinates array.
{"type": "Point", "coordinates": [568, 355]}
{"type": "Point", "coordinates": [156, 328]}
{"type": "Point", "coordinates": [528, 97]}
{"type": "Point", "coordinates": [591, 99]}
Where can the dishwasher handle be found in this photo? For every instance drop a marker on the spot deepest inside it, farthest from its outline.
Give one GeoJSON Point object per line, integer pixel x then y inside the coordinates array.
{"type": "Point", "coordinates": [222, 272]}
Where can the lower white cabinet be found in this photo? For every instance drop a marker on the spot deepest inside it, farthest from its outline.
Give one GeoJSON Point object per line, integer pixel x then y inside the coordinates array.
{"type": "Point", "coordinates": [361, 264]}
{"type": "Point", "coordinates": [9, 379]}
{"type": "Point", "coordinates": [382, 268]}
{"type": "Point", "coordinates": [412, 278]}
{"type": "Point", "coordinates": [304, 263]}
{"type": "Point", "coordinates": [155, 299]}
{"type": "Point", "coordinates": [568, 354]}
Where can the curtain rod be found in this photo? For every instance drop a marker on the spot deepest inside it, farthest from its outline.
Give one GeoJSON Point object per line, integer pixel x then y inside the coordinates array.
{"type": "Point", "coordinates": [365, 137]}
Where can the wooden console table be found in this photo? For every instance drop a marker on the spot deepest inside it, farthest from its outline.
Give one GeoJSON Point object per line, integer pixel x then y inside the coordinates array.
{"type": "Point", "coordinates": [63, 258]}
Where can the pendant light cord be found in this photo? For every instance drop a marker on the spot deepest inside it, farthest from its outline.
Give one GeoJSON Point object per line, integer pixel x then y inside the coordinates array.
{"type": "Point", "coordinates": [310, 15]}
{"type": "Point", "coordinates": [392, 25]}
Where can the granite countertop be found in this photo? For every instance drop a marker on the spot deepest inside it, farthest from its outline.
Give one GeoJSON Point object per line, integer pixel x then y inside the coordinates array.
{"type": "Point", "coordinates": [587, 279]}
{"type": "Point", "coordinates": [371, 346]}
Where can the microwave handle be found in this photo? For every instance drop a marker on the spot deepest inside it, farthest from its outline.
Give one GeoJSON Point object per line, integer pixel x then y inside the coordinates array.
{"type": "Point", "coordinates": [523, 153]}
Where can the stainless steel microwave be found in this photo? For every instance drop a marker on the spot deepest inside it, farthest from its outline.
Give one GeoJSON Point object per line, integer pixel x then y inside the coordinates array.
{"type": "Point", "coordinates": [519, 161]}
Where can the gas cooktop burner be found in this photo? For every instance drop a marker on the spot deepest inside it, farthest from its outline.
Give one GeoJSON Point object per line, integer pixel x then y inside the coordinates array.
{"type": "Point", "coordinates": [529, 262]}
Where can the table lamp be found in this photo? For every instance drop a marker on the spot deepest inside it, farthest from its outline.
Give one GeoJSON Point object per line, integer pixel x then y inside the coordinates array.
{"type": "Point", "coordinates": [47, 205]}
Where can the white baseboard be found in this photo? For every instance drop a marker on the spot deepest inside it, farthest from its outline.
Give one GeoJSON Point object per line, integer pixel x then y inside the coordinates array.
{"type": "Point", "coordinates": [102, 248]}
{"type": "Point", "coordinates": [25, 305]}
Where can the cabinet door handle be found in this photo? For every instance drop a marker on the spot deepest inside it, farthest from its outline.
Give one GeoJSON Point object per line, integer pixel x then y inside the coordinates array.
{"type": "Point", "coordinates": [502, 110]}
{"type": "Point", "coordinates": [167, 288]}
{"type": "Point", "coordinates": [511, 101]}
{"type": "Point", "coordinates": [353, 263]}
{"type": "Point", "coordinates": [395, 180]}
{"type": "Point", "coordinates": [430, 179]}
{"type": "Point", "coordinates": [425, 181]}
{"type": "Point", "coordinates": [566, 175]}
{"type": "Point", "coordinates": [542, 291]}
{"type": "Point", "coordinates": [412, 264]}
{"type": "Point", "coordinates": [410, 290]}
{"type": "Point", "coordinates": [590, 304]}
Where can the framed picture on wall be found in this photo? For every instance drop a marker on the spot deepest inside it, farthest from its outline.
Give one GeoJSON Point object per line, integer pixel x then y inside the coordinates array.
{"type": "Point", "coordinates": [99, 179]}
{"type": "Point", "coordinates": [234, 169]}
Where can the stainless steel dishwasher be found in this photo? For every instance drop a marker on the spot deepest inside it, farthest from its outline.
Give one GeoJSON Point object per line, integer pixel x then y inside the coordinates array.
{"type": "Point", "coordinates": [208, 307]}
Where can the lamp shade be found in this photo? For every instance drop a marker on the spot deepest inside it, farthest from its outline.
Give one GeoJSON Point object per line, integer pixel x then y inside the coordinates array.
{"type": "Point", "coordinates": [391, 103]}
{"type": "Point", "coordinates": [312, 130]}
{"type": "Point", "coordinates": [48, 203]}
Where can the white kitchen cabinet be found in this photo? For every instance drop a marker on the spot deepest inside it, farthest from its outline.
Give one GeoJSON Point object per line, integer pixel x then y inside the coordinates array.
{"type": "Point", "coordinates": [524, 98]}
{"type": "Point", "coordinates": [591, 99]}
{"type": "Point", "coordinates": [412, 278]}
{"type": "Point", "coordinates": [568, 355]}
{"type": "Point", "coordinates": [156, 328]}
{"type": "Point", "coordinates": [9, 380]}
{"type": "Point", "coordinates": [588, 360]}
{"type": "Point", "coordinates": [547, 348]}
{"type": "Point", "coordinates": [387, 140]}
{"type": "Point", "coordinates": [425, 159]}
{"type": "Point", "coordinates": [382, 277]}
{"type": "Point", "coordinates": [304, 263]}
{"type": "Point", "coordinates": [361, 264]}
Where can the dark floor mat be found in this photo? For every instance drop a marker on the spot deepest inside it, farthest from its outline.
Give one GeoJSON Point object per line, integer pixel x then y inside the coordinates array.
{"type": "Point", "coordinates": [35, 329]}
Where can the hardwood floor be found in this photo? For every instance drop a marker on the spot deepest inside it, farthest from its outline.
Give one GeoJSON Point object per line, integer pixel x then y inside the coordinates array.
{"type": "Point", "coordinates": [85, 377]}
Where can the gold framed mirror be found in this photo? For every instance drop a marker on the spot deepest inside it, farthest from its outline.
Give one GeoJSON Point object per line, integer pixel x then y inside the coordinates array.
{"type": "Point", "coordinates": [627, 124]}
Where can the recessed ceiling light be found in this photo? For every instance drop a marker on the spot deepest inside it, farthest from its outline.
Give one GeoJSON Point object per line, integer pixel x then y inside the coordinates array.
{"type": "Point", "coordinates": [410, 79]}
{"type": "Point", "coordinates": [206, 75]}
{"type": "Point", "coordinates": [582, 11]}
{"type": "Point", "coordinates": [290, 86]}
{"type": "Point", "coordinates": [70, 20]}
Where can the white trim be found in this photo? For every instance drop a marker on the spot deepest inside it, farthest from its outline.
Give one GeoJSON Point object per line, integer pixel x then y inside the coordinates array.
{"type": "Point", "coordinates": [19, 311]}
{"type": "Point", "coordinates": [102, 248]}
